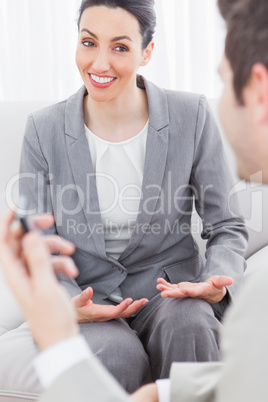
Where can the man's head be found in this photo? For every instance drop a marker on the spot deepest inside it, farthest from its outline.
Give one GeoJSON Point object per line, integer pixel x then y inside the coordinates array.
{"type": "Point", "coordinates": [244, 69]}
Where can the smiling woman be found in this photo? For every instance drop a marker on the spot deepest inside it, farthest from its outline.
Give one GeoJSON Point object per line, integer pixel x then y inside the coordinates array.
{"type": "Point", "coordinates": [190, 40]}
{"type": "Point", "coordinates": [108, 62]}
{"type": "Point", "coordinates": [119, 164]}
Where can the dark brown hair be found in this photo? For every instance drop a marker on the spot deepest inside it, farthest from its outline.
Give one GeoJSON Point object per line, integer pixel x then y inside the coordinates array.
{"type": "Point", "coordinates": [143, 10]}
{"type": "Point", "coordinates": [247, 38]}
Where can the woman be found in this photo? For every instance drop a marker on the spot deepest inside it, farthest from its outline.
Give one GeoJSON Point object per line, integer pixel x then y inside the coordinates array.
{"type": "Point", "coordinates": [119, 164]}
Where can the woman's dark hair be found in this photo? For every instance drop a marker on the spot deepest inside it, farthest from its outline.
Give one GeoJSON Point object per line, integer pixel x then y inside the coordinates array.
{"type": "Point", "coordinates": [143, 10]}
{"type": "Point", "coordinates": [247, 38]}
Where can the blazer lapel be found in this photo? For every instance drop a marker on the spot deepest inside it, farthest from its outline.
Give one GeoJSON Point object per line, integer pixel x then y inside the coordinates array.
{"type": "Point", "coordinates": [155, 161]}
{"type": "Point", "coordinates": [82, 168]}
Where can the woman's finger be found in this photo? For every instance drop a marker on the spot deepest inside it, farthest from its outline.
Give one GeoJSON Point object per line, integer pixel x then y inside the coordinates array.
{"type": "Point", "coordinates": [83, 299]}
{"type": "Point", "coordinates": [220, 281]}
{"type": "Point", "coordinates": [134, 307]}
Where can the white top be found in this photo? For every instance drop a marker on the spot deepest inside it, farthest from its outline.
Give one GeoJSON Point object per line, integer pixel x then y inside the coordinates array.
{"type": "Point", "coordinates": [119, 174]}
{"type": "Point", "coordinates": [54, 361]}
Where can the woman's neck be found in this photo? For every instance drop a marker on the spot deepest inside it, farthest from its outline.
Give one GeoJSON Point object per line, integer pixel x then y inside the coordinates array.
{"type": "Point", "coordinates": [119, 119]}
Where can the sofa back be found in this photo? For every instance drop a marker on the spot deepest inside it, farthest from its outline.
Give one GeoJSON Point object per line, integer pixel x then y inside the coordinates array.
{"type": "Point", "coordinates": [13, 116]}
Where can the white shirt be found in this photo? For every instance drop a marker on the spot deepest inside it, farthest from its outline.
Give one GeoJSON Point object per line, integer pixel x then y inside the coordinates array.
{"type": "Point", "coordinates": [118, 167]}
{"type": "Point", "coordinates": [54, 361]}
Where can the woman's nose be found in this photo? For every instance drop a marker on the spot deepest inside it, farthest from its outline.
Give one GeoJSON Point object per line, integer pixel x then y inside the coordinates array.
{"type": "Point", "coordinates": [101, 62]}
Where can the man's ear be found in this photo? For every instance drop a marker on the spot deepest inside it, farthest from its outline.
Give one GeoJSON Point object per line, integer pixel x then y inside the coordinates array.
{"type": "Point", "coordinates": [147, 54]}
{"type": "Point", "coordinates": [256, 93]}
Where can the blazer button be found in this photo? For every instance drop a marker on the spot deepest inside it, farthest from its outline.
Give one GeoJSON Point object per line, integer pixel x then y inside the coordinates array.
{"type": "Point", "coordinates": [121, 270]}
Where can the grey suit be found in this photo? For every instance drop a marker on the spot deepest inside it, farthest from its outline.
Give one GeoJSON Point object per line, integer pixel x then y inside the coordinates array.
{"type": "Point", "coordinates": [184, 162]}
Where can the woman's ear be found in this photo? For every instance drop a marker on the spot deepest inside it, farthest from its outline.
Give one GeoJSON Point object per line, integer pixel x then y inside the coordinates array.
{"type": "Point", "coordinates": [147, 54]}
{"type": "Point", "coordinates": [256, 93]}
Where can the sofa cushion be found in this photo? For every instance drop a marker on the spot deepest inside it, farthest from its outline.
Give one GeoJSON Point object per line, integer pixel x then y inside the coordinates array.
{"type": "Point", "coordinates": [18, 380]}
{"type": "Point", "coordinates": [10, 313]}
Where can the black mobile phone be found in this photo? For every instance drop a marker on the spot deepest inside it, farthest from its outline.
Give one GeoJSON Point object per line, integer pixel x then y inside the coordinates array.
{"type": "Point", "coordinates": [24, 224]}
{"type": "Point", "coordinates": [26, 221]}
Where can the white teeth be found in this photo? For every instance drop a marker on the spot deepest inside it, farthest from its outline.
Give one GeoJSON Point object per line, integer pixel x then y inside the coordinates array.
{"type": "Point", "coordinates": [101, 80]}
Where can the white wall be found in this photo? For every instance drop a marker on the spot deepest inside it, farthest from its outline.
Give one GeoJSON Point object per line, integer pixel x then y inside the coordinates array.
{"type": "Point", "coordinates": [38, 40]}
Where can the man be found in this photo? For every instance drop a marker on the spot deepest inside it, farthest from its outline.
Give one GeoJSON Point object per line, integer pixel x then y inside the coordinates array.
{"type": "Point", "coordinates": [242, 377]}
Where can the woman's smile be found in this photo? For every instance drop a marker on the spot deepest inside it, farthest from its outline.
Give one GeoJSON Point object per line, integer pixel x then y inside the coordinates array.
{"type": "Point", "coordinates": [101, 81]}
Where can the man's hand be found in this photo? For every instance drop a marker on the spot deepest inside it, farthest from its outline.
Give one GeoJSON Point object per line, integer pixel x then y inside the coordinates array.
{"type": "Point", "coordinates": [212, 290]}
{"type": "Point", "coordinates": [12, 234]}
{"type": "Point", "coordinates": [147, 393]}
{"type": "Point", "coordinates": [28, 269]}
{"type": "Point", "coordinates": [87, 311]}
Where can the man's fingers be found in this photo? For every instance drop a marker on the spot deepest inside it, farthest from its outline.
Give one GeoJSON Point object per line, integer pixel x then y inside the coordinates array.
{"type": "Point", "coordinates": [38, 222]}
{"type": "Point", "coordinates": [57, 244]}
{"type": "Point", "coordinates": [6, 221]}
{"type": "Point", "coordinates": [11, 265]}
{"type": "Point", "coordinates": [36, 255]}
{"type": "Point", "coordinates": [66, 265]}
{"type": "Point", "coordinates": [42, 222]}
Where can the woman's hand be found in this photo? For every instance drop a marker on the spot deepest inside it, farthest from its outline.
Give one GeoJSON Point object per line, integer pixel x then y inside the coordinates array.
{"type": "Point", "coordinates": [212, 290]}
{"type": "Point", "coordinates": [87, 311]}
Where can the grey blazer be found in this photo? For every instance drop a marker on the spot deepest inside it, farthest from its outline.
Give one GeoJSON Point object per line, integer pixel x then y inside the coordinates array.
{"type": "Point", "coordinates": [184, 163]}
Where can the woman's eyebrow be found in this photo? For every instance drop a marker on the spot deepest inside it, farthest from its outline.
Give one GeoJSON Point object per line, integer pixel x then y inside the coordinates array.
{"type": "Point", "coordinates": [89, 32]}
{"type": "Point", "coordinates": [115, 39]}
{"type": "Point", "coordinates": [118, 38]}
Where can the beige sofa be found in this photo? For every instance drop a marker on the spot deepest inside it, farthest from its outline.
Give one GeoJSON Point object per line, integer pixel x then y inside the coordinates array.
{"type": "Point", "coordinates": [253, 199]}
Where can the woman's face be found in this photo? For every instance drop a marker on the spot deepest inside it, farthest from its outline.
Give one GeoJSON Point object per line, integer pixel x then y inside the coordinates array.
{"type": "Point", "coordinates": [109, 52]}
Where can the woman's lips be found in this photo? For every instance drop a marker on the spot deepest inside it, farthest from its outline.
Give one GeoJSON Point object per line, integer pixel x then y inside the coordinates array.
{"type": "Point", "coordinates": [102, 85]}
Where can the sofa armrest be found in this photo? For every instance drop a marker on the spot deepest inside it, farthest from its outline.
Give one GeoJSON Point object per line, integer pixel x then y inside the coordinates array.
{"type": "Point", "coordinates": [257, 261]}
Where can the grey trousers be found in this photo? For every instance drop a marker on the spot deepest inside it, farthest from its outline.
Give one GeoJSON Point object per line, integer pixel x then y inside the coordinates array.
{"type": "Point", "coordinates": [135, 351]}
{"type": "Point", "coordinates": [182, 330]}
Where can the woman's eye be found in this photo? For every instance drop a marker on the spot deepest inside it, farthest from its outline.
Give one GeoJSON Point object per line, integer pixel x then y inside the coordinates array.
{"type": "Point", "coordinates": [88, 43]}
{"type": "Point", "coordinates": [121, 49]}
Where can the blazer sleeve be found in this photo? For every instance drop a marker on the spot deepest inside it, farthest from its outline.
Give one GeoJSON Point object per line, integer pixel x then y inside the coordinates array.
{"type": "Point", "coordinates": [218, 207]}
{"type": "Point", "coordinates": [195, 382]}
{"type": "Point", "coordinates": [34, 174]}
{"type": "Point", "coordinates": [244, 344]}
{"type": "Point", "coordinates": [34, 187]}
{"type": "Point", "coordinates": [87, 381]}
